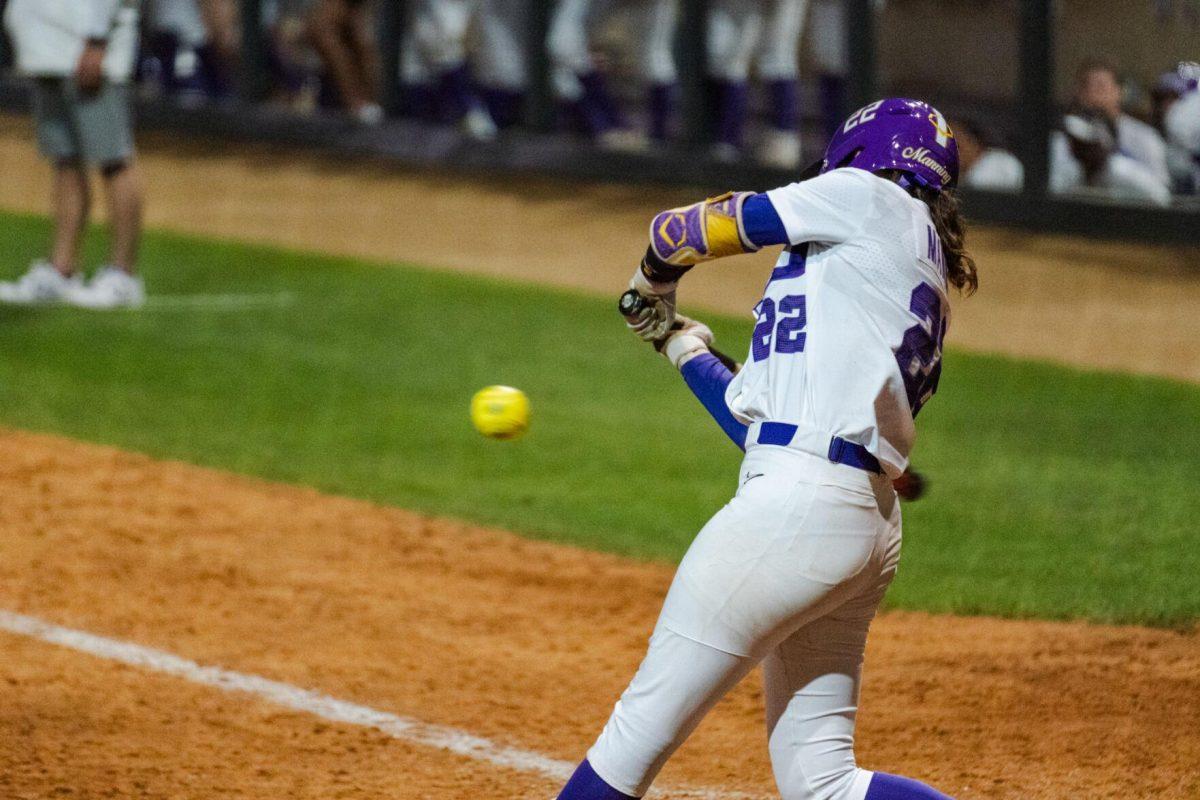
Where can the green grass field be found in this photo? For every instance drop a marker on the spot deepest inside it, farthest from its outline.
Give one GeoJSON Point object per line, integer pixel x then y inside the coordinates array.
{"type": "Point", "coordinates": [1055, 493]}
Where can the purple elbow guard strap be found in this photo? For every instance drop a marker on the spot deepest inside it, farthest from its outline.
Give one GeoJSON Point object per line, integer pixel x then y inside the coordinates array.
{"type": "Point", "coordinates": [708, 378]}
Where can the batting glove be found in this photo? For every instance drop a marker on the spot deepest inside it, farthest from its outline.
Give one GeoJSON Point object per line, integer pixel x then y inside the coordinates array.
{"type": "Point", "coordinates": [655, 320]}
{"type": "Point", "coordinates": [687, 339]}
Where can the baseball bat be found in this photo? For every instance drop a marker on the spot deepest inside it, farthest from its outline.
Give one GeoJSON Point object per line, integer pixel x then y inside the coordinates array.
{"type": "Point", "coordinates": [632, 303]}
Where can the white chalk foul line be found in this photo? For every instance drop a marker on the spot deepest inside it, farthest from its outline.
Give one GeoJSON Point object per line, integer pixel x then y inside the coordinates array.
{"type": "Point", "coordinates": [318, 704]}
{"type": "Point", "coordinates": [219, 302]}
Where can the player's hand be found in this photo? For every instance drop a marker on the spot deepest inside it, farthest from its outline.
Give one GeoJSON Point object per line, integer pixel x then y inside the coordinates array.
{"type": "Point", "coordinates": [911, 485]}
{"type": "Point", "coordinates": [654, 321]}
{"type": "Point", "coordinates": [686, 339]}
{"type": "Point", "coordinates": [89, 72]}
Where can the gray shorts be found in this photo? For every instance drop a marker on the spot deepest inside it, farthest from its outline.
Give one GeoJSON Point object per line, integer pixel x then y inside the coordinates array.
{"type": "Point", "coordinates": [71, 126]}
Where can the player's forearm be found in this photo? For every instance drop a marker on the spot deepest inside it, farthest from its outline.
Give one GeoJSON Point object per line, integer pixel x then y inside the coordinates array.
{"type": "Point", "coordinates": [731, 224]}
{"type": "Point", "coordinates": [708, 378]}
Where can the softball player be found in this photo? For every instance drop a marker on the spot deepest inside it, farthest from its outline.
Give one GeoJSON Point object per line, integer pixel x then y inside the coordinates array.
{"type": "Point", "coordinates": [846, 350]}
{"type": "Point", "coordinates": [582, 87]}
{"type": "Point", "coordinates": [765, 34]}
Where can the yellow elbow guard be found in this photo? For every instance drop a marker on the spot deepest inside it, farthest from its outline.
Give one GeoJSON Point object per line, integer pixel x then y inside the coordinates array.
{"type": "Point", "coordinates": [701, 232]}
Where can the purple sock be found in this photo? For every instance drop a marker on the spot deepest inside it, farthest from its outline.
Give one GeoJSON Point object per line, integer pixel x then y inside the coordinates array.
{"type": "Point", "coordinates": [785, 104]}
{"type": "Point", "coordinates": [731, 112]}
{"type": "Point", "coordinates": [418, 100]}
{"type": "Point", "coordinates": [454, 92]}
{"type": "Point", "coordinates": [597, 107]}
{"type": "Point", "coordinates": [894, 787]}
{"type": "Point", "coordinates": [585, 784]}
{"type": "Point", "coordinates": [662, 109]}
{"type": "Point", "coordinates": [504, 105]}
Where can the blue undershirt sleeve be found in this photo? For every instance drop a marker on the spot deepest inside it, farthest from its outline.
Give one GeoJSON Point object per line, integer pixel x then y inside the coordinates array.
{"type": "Point", "coordinates": [708, 378]}
{"type": "Point", "coordinates": [762, 223]}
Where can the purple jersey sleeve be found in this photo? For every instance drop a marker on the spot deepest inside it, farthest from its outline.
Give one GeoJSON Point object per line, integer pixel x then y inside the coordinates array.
{"type": "Point", "coordinates": [708, 378]}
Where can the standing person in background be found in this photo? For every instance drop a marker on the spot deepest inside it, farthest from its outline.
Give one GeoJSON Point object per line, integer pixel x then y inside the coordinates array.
{"type": "Point", "coordinates": [341, 33]}
{"type": "Point", "coordinates": [191, 59]}
{"type": "Point", "coordinates": [1098, 92]}
{"type": "Point", "coordinates": [436, 68]}
{"type": "Point", "coordinates": [1181, 125]}
{"type": "Point", "coordinates": [764, 34]}
{"type": "Point", "coordinates": [501, 64]}
{"type": "Point", "coordinates": [581, 86]}
{"type": "Point", "coordinates": [80, 55]}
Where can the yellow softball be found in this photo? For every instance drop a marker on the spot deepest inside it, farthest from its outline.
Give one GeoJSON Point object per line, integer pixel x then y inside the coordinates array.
{"type": "Point", "coordinates": [500, 412]}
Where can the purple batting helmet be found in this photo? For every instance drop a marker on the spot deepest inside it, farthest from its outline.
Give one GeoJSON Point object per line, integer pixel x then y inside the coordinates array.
{"type": "Point", "coordinates": [906, 135]}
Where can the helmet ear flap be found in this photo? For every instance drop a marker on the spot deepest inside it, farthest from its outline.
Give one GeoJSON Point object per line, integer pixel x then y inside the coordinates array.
{"type": "Point", "coordinates": [849, 159]}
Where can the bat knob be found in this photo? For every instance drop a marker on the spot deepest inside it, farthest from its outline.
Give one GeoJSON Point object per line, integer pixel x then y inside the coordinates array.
{"type": "Point", "coordinates": [631, 303]}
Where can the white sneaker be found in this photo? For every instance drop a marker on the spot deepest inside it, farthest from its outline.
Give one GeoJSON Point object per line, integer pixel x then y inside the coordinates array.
{"type": "Point", "coordinates": [623, 140]}
{"type": "Point", "coordinates": [779, 149]}
{"type": "Point", "coordinates": [478, 124]}
{"type": "Point", "coordinates": [725, 153]}
{"type": "Point", "coordinates": [109, 288]}
{"type": "Point", "coordinates": [369, 114]}
{"type": "Point", "coordinates": [42, 284]}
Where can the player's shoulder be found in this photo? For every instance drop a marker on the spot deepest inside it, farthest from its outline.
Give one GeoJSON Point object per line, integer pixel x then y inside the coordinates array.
{"type": "Point", "coordinates": [846, 186]}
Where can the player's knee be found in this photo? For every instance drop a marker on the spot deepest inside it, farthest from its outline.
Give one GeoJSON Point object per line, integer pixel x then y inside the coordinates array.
{"type": "Point", "coordinates": [816, 779]}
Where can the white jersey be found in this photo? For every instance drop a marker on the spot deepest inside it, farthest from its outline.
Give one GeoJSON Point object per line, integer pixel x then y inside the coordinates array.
{"type": "Point", "coordinates": [849, 334]}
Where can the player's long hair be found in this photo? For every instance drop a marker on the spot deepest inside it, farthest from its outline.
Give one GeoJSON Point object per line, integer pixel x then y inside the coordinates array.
{"type": "Point", "coordinates": [952, 230]}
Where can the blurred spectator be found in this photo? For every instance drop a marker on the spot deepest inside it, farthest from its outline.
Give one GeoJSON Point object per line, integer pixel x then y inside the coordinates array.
{"type": "Point", "coordinates": [292, 64]}
{"type": "Point", "coordinates": [1179, 118]}
{"type": "Point", "coordinates": [827, 41]}
{"type": "Point", "coordinates": [1084, 156]}
{"type": "Point", "coordinates": [80, 55]}
{"type": "Point", "coordinates": [190, 48]}
{"type": "Point", "coordinates": [341, 33]}
{"type": "Point", "coordinates": [764, 34]}
{"type": "Point", "coordinates": [500, 58]}
{"type": "Point", "coordinates": [5, 46]}
{"type": "Point", "coordinates": [437, 70]}
{"type": "Point", "coordinates": [1098, 93]}
{"type": "Point", "coordinates": [982, 165]}
{"type": "Point", "coordinates": [581, 85]}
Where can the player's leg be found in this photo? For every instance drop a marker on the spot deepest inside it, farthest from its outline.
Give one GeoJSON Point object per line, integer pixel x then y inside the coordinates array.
{"type": "Point", "coordinates": [72, 207]}
{"type": "Point", "coordinates": [50, 281]}
{"type": "Point", "coordinates": [658, 64]}
{"type": "Point", "coordinates": [59, 140]}
{"type": "Point", "coordinates": [812, 683]}
{"type": "Point", "coordinates": [580, 86]}
{"type": "Point", "coordinates": [733, 28]}
{"type": "Point", "coordinates": [325, 27]}
{"type": "Point", "coordinates": [827, 21]}
{"type": "Point", "coordinates": [778, 70]}
{"type": "Point", "coordinates": [763, 566]}
{"type": "Point", "coordinates": [123, 188]}
{"type": "Point", "coordinates": [440, 28]}
{"type": "Point", "coordinates": [360, 39]}
{"type": "Point", "coordinates": [106, 128]}
{"type": "Point", "coordinates": [501, 59]}
{"type": "Point", "coordinates": [676, 685]}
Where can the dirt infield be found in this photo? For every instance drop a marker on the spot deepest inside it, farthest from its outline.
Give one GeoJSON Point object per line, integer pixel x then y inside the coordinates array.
{"type": "Point", "coordinates": [1112, 306]}
{"type": "Point", "coordinates": [522, 642]}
